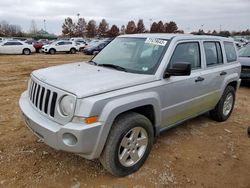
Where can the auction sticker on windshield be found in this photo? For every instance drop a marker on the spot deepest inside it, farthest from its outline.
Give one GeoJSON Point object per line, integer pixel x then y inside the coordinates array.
{"type": "Point", "coordinates": [156, 41]}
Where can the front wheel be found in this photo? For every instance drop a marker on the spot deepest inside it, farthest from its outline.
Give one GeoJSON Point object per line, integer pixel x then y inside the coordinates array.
{"type": "Point", "coordinates": [72, 50]}
{"type": "Point", "coordinates": [128, 145]}
{"type": "Point", "coordinates": [26, 51]}
{"type": "Point", "coordinates": [225, 106]}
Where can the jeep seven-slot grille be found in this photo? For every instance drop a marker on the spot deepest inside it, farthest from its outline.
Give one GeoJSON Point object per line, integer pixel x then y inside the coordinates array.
{"type": "Point", "coordinates": [43, 98]}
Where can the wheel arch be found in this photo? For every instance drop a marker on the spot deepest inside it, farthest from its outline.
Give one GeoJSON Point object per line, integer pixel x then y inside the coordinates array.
{"type": "Point", "coordinates": [147, 104]}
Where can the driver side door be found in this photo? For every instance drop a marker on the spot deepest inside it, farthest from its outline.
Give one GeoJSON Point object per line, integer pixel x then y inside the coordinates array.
{"type": "Point", "coordinates": [182, 94]}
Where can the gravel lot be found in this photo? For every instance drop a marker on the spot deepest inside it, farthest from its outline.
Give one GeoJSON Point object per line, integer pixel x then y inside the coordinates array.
{"type": "Point", "coordinates": [198, 153]}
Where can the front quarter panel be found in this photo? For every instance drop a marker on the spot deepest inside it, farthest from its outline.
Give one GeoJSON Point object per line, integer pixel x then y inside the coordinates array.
{"type": "Point", "coordinates": [117, 106]}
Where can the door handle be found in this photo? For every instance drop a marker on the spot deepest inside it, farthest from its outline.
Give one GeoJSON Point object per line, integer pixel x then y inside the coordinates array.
{"type": "Point", "coordinates": [199, 79]}
{"type": "Point", "coordinates": [223, 73]}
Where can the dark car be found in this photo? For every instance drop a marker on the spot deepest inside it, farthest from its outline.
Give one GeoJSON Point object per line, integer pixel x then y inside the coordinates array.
{"type": "Point", "coordinates": [244, 58]}
{"type": "Point", "coordinates": [39, 44]}
{"type": "Point", "coordinates": [95, 47]}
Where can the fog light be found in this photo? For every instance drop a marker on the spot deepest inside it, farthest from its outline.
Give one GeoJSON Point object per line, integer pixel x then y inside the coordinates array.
{"type": "Point", "coordinates": [69, 139]}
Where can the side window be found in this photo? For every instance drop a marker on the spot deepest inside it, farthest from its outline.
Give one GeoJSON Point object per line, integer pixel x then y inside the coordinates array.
{"type": "Point", "coordinates": [18, 43]}
{"type": "Point", "coordinates": [8, 44]}
{"type": "Point", "coordinates": [213, 53]}
{"type": "Point", "coordinates": [187, 52]}
{"type": "Point", "coordinates": [60, 43]}
{"type": "Point", "coordinates": [230, 52]}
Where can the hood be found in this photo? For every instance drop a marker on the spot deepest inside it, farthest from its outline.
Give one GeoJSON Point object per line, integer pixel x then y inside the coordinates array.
{"type": "Point", "coordinates": [245, 61]}
{"type": "Point", "coordinates": [83, 79]}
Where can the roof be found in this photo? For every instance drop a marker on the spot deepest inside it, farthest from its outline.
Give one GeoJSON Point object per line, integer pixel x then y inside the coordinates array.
{"type": "Point", "coordinates": [178, 36]}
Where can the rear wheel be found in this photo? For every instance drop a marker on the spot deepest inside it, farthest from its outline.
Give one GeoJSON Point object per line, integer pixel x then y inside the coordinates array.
{"type": "Point", "coordinates": [225, 106]}
{"type": "Point", "coordinates": [26, 51]}
{"type": "Point", "coordinates": [128, 145]}
{"type": "Point", "coordinates": [52, 51]}
{"type": "Point", "coordinates": [72, 50]}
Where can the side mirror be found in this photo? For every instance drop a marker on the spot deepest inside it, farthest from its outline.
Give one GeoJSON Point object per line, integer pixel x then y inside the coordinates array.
{"type": "Point", "coordinates": [248, 132]}
{"type": "Point", "coordinates": [95, 53]}
{"type": "Point", "coordinates": [178, 69]}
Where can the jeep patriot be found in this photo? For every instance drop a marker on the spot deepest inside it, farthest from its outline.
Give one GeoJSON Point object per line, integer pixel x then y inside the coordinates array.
{"type": "Point", "coordinates": [114, 106]}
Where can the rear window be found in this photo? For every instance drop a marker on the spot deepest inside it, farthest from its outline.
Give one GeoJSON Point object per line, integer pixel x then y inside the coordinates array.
{"type": "Point", "coordinates": [230, 52]}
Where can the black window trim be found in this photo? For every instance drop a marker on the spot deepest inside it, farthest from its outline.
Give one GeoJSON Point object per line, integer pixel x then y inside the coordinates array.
{"type": "Point", "coordinates": [217, 64]}
{"type": "Point", "coordinates": [184, 42]}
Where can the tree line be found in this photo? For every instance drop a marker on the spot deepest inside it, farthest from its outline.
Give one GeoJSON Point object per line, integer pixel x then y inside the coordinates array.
{"type": "Point", "coordinates": [7, 30]}
{"type": "Point", "coordinates": [90, 29]}
{"type": "Point", "coordinates": [223, 33]}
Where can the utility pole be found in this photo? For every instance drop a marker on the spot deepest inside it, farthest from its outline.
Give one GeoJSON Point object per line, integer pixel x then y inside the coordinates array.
{"type": "Point", "coordinates": [44, 24]}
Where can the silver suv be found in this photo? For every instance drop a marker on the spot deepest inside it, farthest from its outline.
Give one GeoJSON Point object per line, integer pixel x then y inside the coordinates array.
{"type": "Point", "coordinates": [114, 106]}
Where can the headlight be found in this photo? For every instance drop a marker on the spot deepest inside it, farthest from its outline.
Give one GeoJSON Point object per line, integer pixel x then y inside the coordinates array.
{"type": "Point", "coordinates": [67, 105]}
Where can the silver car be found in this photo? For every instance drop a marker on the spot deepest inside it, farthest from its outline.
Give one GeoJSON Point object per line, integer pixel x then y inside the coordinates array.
{"type": "Point", "coordinates": [114, 106]}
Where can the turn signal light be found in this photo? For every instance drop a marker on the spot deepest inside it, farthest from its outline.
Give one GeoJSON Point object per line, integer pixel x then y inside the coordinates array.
{"type": "Point", "coordinates": [90, 120]}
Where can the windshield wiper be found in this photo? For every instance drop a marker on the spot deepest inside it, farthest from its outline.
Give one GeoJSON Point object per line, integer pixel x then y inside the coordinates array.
{"type": "Point", "coordinates": [117, 67]}
{"type": "Point", "coordinates": [92, 62]}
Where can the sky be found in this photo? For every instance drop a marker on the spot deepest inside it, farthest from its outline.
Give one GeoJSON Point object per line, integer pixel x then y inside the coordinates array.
{"type": "Point", "coordinates": [190, 15]}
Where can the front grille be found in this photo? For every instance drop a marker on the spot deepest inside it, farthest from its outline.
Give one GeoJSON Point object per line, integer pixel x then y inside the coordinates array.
{"type": "Point", "coordinates": [245, 69]}
{"type": "Point", "coordinates": [43, 98]}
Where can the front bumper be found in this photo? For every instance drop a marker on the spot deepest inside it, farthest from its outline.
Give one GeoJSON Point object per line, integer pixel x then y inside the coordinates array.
{"type": "Point", "coordinates": [72, 137]}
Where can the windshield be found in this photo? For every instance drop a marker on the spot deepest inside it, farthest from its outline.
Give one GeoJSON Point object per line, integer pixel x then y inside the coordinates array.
{"type": "Point", "coordinates": [136, 55]}
{"type": "Point", "coordinates": [245, 51]}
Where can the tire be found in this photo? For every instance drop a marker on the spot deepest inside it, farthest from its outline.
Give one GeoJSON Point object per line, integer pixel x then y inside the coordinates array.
{"type": "Point", "coordinates": [52, 51]}
{"type": "Point", "coordinates": [122, 131]}
{"type": "Point", "coordinates": [225, 106]}
{"type": "Point", "coordinates": [72, 50]}
{"type": "Point", "coordinates": [26, 51]}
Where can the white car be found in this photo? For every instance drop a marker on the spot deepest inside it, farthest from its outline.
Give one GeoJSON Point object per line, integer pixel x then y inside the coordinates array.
{"type": "Point", "coordinates": [61, 46]}
{"type": "Point", "coordinates": [16, 47]}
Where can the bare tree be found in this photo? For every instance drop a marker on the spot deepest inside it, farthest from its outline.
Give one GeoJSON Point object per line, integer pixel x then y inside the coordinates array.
{"type": "Point", "coordinates": [154, 28]}
{"type": "Point", "coordinates": [103, 28]}
{"type": "Point", "coordinates": [123, 30]}
{"type": "Point", "coordinates": [114, 31]}
{"type": "Point", "coordinates": [131, 27]}
{"type": "Point", "coordinates": [171, 27]}
{"type": "Point", "coordinates": [81, 28]}
{"type": "Point", "coordinates": [33, 27]}
{"type": "Point", "coordinates": [160, 27]}
{"type": "Point", "coordinates": [68, 27]}
{"type": "Point", "coordinates": [91, 29]}
{"type": "Point", "coordinates": [140, 26]}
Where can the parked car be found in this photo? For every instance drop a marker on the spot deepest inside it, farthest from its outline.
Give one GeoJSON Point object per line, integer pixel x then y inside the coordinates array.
{"type": "Point", "coordinates": [113, 107]}
{"type": "Point", "coordinates": [16, 47]}
{"type": "Point", "coordinates": [94, 47]}
{"type": "Point", "coordinates": [244, 58]}
{"type": "Point", "coordinates": [78, 39]}
{"type": "Point", "coordinates": [39, 44]}
{"type": "Point", "coordinates": [81, 46]}
{"type": "Point", "coordinates": [60, 46]}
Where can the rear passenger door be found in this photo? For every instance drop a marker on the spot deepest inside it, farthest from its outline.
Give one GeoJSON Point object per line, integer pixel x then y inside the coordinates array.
{"type": "Point", "coordinates": [213, 73]}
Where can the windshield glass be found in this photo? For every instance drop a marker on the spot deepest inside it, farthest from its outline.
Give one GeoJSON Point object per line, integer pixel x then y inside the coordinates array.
{"type": "Point", "coordinates": [136, 55]}
{"type": "Point", "coordinates": [245, 51]}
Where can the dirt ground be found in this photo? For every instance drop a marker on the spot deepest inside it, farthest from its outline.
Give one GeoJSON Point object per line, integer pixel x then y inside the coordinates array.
{"type": "Point", "coordinates": [199, 153]}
